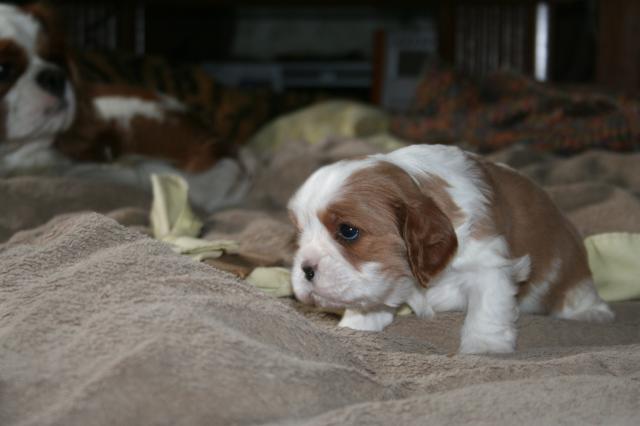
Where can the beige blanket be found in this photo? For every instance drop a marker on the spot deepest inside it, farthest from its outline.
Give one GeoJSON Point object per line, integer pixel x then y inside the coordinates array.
{"type": "Point", "coordinates": [101, 325]}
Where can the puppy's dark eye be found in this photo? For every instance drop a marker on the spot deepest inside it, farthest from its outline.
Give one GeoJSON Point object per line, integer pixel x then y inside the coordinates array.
{"type": "Point", "coordinates": [6, 71]}
{"type": "Point", "coordinates": [348, 232]}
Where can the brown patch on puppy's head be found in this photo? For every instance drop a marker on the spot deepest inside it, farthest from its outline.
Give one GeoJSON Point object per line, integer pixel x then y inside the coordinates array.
{"type": "Point", "coordinates": [399, 226]}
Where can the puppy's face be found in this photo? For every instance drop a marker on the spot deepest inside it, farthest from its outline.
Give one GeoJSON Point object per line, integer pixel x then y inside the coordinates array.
{"type": "Point", "coordinates": [36, 98]}
{"type": "Point", "coordinates": [367, 236]}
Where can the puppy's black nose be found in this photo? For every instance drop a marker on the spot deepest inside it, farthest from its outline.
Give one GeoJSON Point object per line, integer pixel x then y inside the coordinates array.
{"type": "Point", "coordinates": [309, 273]}
{"type": "Point", "coordinates": [52, 80]}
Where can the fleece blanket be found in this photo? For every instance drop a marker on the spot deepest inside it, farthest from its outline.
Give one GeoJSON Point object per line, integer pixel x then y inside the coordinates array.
{"type": "Point", "coordinates": [505, 108]}
{"type": "Point", "coordinates": [101, 324]}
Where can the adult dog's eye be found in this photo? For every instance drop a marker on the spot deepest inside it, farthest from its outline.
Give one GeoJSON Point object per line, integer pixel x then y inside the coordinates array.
{"type": "Point", "coordinates": [348, 232]}
{"type": "Point", "coordinates": [5, 71]}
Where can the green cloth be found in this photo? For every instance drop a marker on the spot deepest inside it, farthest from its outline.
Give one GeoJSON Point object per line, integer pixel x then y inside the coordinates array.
{"type": "Point", "coordinates": [173, 221]}
{"type": "Point", "coordinates": [330, 119]}
{"type": "Point", "coordinates": [171, 215]}
{"type": "Point", "coordinates": [614, 259]}
{"type": "Point", "coordinates": [273, 280]}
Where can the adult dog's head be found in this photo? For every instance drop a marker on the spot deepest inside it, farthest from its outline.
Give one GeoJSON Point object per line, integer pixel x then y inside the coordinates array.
{"type": "Point", "coordinates": [37, 100]}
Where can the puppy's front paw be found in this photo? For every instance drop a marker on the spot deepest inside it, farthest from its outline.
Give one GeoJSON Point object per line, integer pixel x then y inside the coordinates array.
{"type": "Point", "coordinates": [366, 321]}
{"type": "Point", "coordinates": [488, 343]}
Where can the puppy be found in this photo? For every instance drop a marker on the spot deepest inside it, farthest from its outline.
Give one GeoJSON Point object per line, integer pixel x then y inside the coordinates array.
{"type": "Point", "coordinates": [439, 229]}
{"type": "Point", "coordinates": [46, 110]}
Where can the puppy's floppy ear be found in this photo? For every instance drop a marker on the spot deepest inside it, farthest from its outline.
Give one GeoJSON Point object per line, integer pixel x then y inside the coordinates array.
{"type": "Point", "coordinates": [430, 238]}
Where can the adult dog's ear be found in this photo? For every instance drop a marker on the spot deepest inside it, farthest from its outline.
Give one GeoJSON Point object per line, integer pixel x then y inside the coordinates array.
{"type": "Point", "coordinates": [430, 238]}
{"type": "Point", "coordinates": [51, 43]}
{"type": "Point", "coordinates": [45, 13]}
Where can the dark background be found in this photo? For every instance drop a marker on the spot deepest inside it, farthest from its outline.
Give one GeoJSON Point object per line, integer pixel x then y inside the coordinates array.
{"type": "Point", "coordinates": [591, 42]}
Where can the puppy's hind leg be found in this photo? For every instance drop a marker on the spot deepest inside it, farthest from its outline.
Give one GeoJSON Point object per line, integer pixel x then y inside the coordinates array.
{"type": "Point", "coordinates": [582, 303]}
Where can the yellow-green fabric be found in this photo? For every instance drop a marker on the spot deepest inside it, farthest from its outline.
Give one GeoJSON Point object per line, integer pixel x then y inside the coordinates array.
{"type": "Point", "coordinates": [330, 119]}
{"type": "Point", "coordinates": [273, 280]}
{"type": "Point", "coordinates": [173, 221]}
{"type": "Point", "coordinates": [171, 215]}
{"type": "Point", "coordinates": [200, 249]}
{"type": "Point", "coordinates": [614, 259]}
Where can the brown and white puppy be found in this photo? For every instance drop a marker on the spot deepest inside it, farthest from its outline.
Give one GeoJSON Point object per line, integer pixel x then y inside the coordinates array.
{"type": "Point", "coordinates": [43, 105]}
{"type": "Point", "coordinates": [438, 229]}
